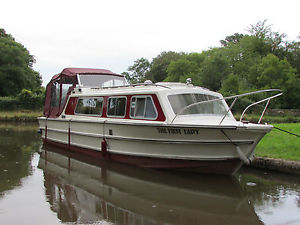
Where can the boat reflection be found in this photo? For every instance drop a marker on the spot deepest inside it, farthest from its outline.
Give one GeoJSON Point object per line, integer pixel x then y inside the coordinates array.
{"type": "Point", "coordinates": [83, 190]}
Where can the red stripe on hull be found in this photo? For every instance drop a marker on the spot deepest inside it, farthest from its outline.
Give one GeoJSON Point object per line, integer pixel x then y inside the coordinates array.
{"type": "Point", "coordinates": [225, 167]}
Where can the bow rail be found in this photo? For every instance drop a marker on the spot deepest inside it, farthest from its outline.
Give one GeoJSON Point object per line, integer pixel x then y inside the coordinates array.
{"type": "Point", "coordinates": [236, 97]}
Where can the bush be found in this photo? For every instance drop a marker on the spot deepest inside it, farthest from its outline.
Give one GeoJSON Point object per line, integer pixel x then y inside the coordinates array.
{"type": "Point", "coordinates": [29, 100]}
{"type": "Point", "coordinates": [9, 103]}
{"type": "Point", "coordinates": [26, 99]}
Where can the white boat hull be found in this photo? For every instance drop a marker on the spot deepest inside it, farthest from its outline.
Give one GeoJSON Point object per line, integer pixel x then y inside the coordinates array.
{"type": "Point", "coordinates": [212, 149]}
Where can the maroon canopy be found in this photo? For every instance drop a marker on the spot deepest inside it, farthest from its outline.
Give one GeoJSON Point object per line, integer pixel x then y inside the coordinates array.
{"type": "Point", "coordinates": [74, 71]}
{"type": "Point", "coordinates": [67, 76]}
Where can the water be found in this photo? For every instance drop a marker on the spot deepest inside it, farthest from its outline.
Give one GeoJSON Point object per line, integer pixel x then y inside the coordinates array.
{"type": "Point", "coordinates": [41, 185]}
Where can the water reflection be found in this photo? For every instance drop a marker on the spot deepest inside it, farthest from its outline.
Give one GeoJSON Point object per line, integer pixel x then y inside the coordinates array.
{"type": "Point", "coordinates": [17, 145]}
{"type": "Point", "coordinates": [276, 196]}
{"type": "Point", "coordinates": [80, 190]}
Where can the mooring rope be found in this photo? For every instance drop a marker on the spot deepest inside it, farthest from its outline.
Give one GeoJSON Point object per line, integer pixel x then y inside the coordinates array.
{"type": "Point", "coordinates": [297, 135]}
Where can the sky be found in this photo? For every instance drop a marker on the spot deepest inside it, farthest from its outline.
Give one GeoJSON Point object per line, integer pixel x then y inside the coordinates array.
{"type": "Point", "coordinates": [112, 34]}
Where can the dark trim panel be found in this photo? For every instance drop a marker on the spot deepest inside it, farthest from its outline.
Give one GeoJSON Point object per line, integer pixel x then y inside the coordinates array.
{"type": "Point", "coordinates": [224, 167]}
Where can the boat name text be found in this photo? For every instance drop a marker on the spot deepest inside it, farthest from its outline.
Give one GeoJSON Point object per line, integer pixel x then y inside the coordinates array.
{"type": "Point", "coordinates": [177, 131]}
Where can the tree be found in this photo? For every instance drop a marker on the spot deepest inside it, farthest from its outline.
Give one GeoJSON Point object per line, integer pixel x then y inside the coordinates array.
{"type": "Point", "coordinates": [235, 38]}
{"type": "Point", "coordinates": [137, 72]}
{"type": "Point", "coordinates": [206, 69]}
{"type": "Point", "coordinates": [159, 65]}
{"type": "Point", "coordinates": [293, 54]}
{"type": "Point", "coordinates": [274, 41]}
{"type": "Point", "coordinates": [16, 72]}
{"type": "Point", "coordinates": [276, 73]}
{"type": "Point", "coordinates": [230, 85]}
{"type": "Point", "coordinates": [188, 66]}
{"type": "Point", "coordinates": [214, 69]}
{"type": "Point", "coordinates": [3, 34]}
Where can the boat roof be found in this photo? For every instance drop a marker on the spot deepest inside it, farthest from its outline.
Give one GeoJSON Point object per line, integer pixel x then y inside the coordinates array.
{"type": "Point", "coordinates": [164, 88]}
{"type": "Point", "coordinates": [72, 72]}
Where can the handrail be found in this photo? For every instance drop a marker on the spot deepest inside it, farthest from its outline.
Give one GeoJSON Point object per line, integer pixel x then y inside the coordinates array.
{"type": "Point", "coordinates": [235, 97]}
{"type": "Point", "coordinates": [138, 84]}
{"type": "Point", "coordinates": [255, 103]}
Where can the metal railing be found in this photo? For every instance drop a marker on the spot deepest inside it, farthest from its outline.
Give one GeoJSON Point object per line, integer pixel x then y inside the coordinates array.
{"type": "Point", "coordinates": [236, 97]}
{"type": "Point", "coordinates": [131, 85]}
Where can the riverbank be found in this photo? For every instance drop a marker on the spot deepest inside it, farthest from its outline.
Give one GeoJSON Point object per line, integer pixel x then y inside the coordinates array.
{"type": "Point", "coordinates": [20, 116]}
{"type": "Point", "coordinates": [279, 151]}
{"type": "Point", "coordinates": [279, 165]}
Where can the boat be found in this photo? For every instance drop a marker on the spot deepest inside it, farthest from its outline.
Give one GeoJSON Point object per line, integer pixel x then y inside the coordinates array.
{"type": "Point", "coordinates": [162, 125]}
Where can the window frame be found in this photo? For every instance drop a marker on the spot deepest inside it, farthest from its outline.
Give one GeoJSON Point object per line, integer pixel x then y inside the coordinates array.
{"type": "Point", "coordinates": [89, 97]}
{"type": "Point", "coordinates": [143, 118]}
{"type": "Point", "coordinates": [107, 107]}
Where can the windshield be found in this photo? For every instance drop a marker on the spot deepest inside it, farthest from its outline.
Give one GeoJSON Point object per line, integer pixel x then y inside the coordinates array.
{"type": "Point", "coordinates": [101, 80]}
{"type": "Point", "coordinates": [180, 101]}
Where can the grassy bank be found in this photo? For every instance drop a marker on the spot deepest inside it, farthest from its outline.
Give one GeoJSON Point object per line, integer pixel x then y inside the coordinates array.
{"type": "Point", "coordinates": [280, 145]}
{"type": "Point", "coordinates": [22, 115]}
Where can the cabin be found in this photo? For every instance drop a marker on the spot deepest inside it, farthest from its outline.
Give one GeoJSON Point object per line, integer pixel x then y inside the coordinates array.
{"type": "Point", "coordinates": [62, 84]}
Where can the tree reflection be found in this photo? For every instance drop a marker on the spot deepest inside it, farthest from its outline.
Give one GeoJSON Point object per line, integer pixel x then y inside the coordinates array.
{"type": "Point", "coordinates": [270, 188]}
{"type": "Point", "coordinates": [18, 142]}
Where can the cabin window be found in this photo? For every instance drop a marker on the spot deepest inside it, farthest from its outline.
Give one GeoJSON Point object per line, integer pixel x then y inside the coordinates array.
{"type": "Point", "coordinates": [65, 90]}
{"type": "Point", "coordinates": [90, 106]}
{"type": "Point", "coordinates": [142, 107]}
{"type": "Point", "coordinates": [180, 101]}
{"type": "Point", "coordinates": [55, 94]}
{"type": "Point", "coordinates": [116, 106]}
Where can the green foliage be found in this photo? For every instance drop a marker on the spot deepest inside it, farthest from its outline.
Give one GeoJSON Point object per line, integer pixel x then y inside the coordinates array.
{"type": "Point", "coordinates": [230, 85]}
{"type": "Point", "coordinates": [235, 38]}
{"type": "Point", "coordinates": [26, 99]}
{"type": "Point", "coordinates": [3, 34]}
{"type": "Point", "coordinates": [188, 66]}
{"type": "Point", "coordinates": [276, 73]}
{"type": "Point", "coordinates": [16, 64]}
{"type": "Point", "coordinates": [137, 72]}
{"type": "Point", "coordinates": [8, 103]}
{"type": "Point", "coordinates": [155, 71]}
{"type": "Point", "coordinates": [293, 54]}
{"type": "Point", "coordinates": [31, 100]}
{"type": "Point", "coordinates": [159, 65]}
{"type": "Point", "coordinates": [214, 69]}
{"type": "Point", "coordinates": [273, 72]}
{"type": "Point", "coordinates": [206, 69]}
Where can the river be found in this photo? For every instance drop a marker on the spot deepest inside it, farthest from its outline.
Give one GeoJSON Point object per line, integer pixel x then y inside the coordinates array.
{"type": "Point", "coordinates": [43, 185]}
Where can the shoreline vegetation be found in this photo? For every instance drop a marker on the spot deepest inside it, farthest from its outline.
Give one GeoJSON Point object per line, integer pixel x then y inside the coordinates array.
{"type": "Point", "coordinates": [20, 115]}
